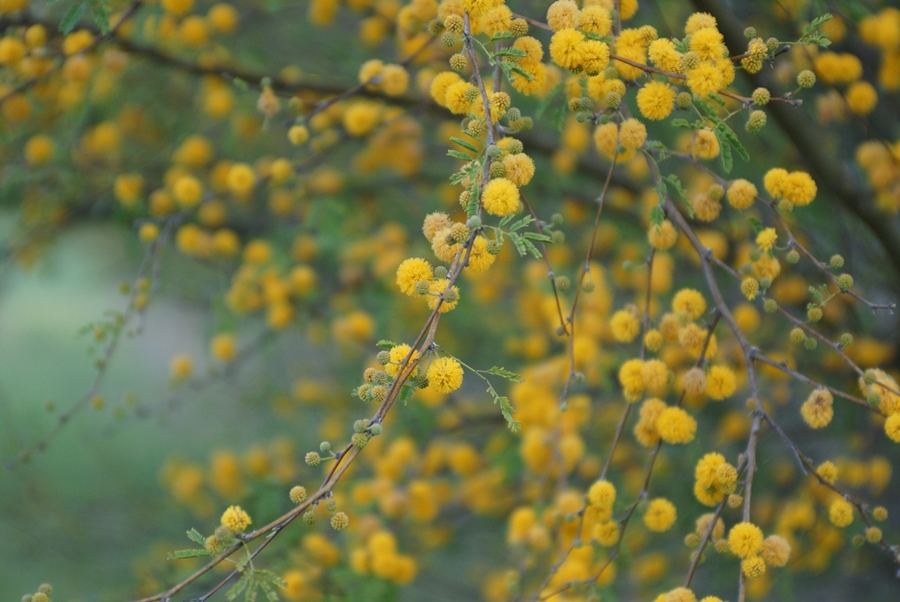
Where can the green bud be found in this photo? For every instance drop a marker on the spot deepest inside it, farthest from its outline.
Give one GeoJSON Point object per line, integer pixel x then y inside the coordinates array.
{"type": "Point", "coordinates": [376, 429]}
{"type": "Point", "coordinates": [846, 340]}
{"type": "Point", "coordinates": [836, 261]}
{"type": "Point", "coordinates": [811, 343]}
{"type": "Point", "coordinates": [325, 447]}
{"type": "Point", "coordinates": [750, 33]}
{"type": "Point", "coordinates": [563, 283]}
{"type": "Point", "coordinates": [440, 272]}
{"type": "Point", "coordinates": [814, 314]}
{"type": "Point", "coordinates": [845, 281]}
{"type": "Point", "coordinates": [792, 257]}
{"type": "Point", "coordinates": [770, 306]}
{"type": "Point", "coordinates": [422, 287]}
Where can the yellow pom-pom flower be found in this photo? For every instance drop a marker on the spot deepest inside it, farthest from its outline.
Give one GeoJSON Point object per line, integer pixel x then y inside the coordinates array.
{"type": "Point", "coordinates": [841, 513]}
{"type": "Point", "coordinates": [745, 540]}
{"type": "Point", "coordinates": [235, 519]}
{"type": "Point", "coordinates": [660, 515]}
{"type": "Point", "coordinates": [500, 197]}
{"type": "Point", "coordinates": [624, 325]}
{"type": "Point", "coordinates": [445, 375]}
{"type": "Point", "coordinates": [656, 100]}
{"type": "Point", "coordinates": [690, 301]}
{"type": "Point", "coordinates": [676, 426]}
{"type": "Point", "coordinates": [818, 409]}
{"type": "Point", "coordinates": [412, 271]}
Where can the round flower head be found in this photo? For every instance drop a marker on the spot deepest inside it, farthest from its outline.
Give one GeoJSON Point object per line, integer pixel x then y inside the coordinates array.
{"type": "Point", "coordinates": [741, 194]}
{"type": "Point", "coordinates": [663, 236]}
{"type": "Point", "coordinates": [656, 100]}
{"type": "Point", "coordinates": [705, 79]}
{"type": "Point", "coordinates": [397, 354]}
{"type": "Point", "coordinates": [690, 301]}
{"type": "Point", "coordinates": [818, 409]}
{"type": "Point", "coordinates": [566, 50]}
{"type": "Point", "coordinates": [632, 134]}
{"type": "Point", "coordinates": [753, 567]}
{"type": "Point", "coordinates": [519, 169]}
{"type": "Point", "coordinates": [445, 375]}
{"type": "Point", "coordinates": [500, 197]}
{"type": "Point", "coordinates": [624, 325]}
{"type": "Point", "coordinates": [434, 222]}
{"type": "Point", "coordinates": [235, 519]}
{"type": "Point", "coordinates": [841, 513]}
{"type": "Point", "coordinates": [632, 379]}
{"type": "Point", "coordinates": [676, 426]}
{"type": "Point", "coordinates": [745, 540]}
{"type": "Point", "coordinates": [776, 550]}
{"type": "Point", "coordinates": [602, 495]}
{"type": "Point", "coordinates": [563, 14]}
{"type": "Point", "coordinates": [680, 594]}
{"type": "Point", "coordinates": [412, 271]}
{"type": "Point", "coordinates": [451, 297]}
{"type": "Point", "coordinates": [720, 382]}
{"type": "Point", "coordinates": [707, 487]}
{"type": "Point", "coordinates": [660, 515]}
{"type": "Point", "coordinates": [595, 19]}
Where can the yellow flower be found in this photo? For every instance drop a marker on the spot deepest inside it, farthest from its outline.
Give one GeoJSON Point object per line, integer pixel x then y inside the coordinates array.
{"type": "Point", "coordinates": [707, 487]}
{"type": "Point", "coordinates": [445, 375]}
{"type": "Point", "coordinates": [705, 79]}
{"type": "Point", "coordinates": [566, 49]}
{"type": "Point", "coordinates": [631, 379]}
{"type": "Point", "coordinates": [519, 168]}
{"type": "Point", "coordinates": [235, 519]}
{"type": "Point", "coordinates": [397, 353]}
{"type": "Point", "coordinates": [741, 194]}
{"type": "Point", "coordinates": [663, 236]}
{"type": "Point", "coordinates": [690, 301]}
{"type": "Point", "coordinates": [563, 14]}
{"type": "Point", "coordinates": [663, 54]}
{"type": "Point", "coordinates": [660, 515]}
{"type": "Point", "coordinates": [817, 410]}
{"type": "Point", "coordinates": [595, 19]}
{"type": "Point", "coordinates": [861, 98]}
{"type": "Point", "coordinates": [720, 382]}
{"type": "Point", "coordinates": [676, 426]}
{"type": "Point", "coordinates": [892, 427]}
{"type": "Point", "coordinates": [698, 21]}
{"type": "Point", "coordinates": [828, 471]}
{"type": "Point", "coordinates": [602, 495]}
{"type": "Point", "coordinates": [656, 100]}
{"type": "Point", "coordinates": [745, 540]}
{"type": "Point", "coordinates": [645, 430]}
{"type": "Point", "coordinates": [705, 145]}
{"type": "Point", "coordinates": [412, 271]}
{"type": "Point", "coordinates": [436, 288]}
{"type": "Point", "coordinates": [765, 240]}
{"type": "Point", "coordinates": [708, 43]}
{"type": "Point", "coordinates": [440, 84]}
{"type": "Point", "coordinates": [624, 325]}
{"type": "Point", "coordinates": [776, 550]}
{"type": "Point", "coordinates": [500, 197]}
{"type": "Point", "coordinates": [841, 513]}
{"type": "Point", "coordinates": [223, 347]}
{"type": "Point", "coordinates": [632, 134]}
{"type": "Point", "coordinates": [753, 567]}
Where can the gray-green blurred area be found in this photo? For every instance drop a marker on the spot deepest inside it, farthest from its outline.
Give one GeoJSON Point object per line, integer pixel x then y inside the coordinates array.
{"type": "Point", "coordinates": [80, 512]}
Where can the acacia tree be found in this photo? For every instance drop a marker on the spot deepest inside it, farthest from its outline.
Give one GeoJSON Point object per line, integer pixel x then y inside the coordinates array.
{"type": "Point", "coordinates": [616, 244]}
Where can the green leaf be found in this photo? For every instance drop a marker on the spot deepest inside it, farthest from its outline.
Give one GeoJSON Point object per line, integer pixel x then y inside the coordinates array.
{"type": "Point", "coordinates": [723, 130]}
{"type": "Point", "coordinates": [519, 243]}
{"type": "Point", "coordinates": [101, 14]}
{"type": "Point", "coordinates": [406, 393]}
{"type": "Point", "coordinates": [815, 292]}
{"type": "Point", "coordinates": [680, 122]}
{"type": "Point", "coordinates": [459, 155]}
{"type": "Point", "coordinates": [521, 223]}
{"type": "Point", "coordinates": [71, 18]}
{"type": "Point", "coordinates": [706, 108]}
{"type": "Point", "coordinates": [196, 537]}
{"type": "Point", "coordinates": [535, 252]}
{"type": "Point", "coordinates": [717, 99]}
{"type": "Point", "coordinates": [545, 102]}
{"type": "Point", "coordinates": [504, 373]}
{"type": "Point", "coordinates": [385, 344]}
{"type": "Point", "coordinates": [516, 52]}
{"type": "Point", "coordinates": [271, 577]}
{"type": "Point", "coordinates": [235, 590]}
{"type": "Point", "coordinates": [537, 236]}
{"type": "Point", "coordinates": [558, 121]}
{"type": "Point", "coordinates": [755, 224]}
{"type": "Point", "coordinates": [725, 152]}
{"type": "Point", "coordinates": [194, 553]}
{"type": "Point", "coordinates": [501, 35]}
{"type": "Point", "coordinates": [519, 71]}
{"type": "Point", "coordinates": [464, 144]}
{"type": "Point", "coordinates": [657, 215]}
{"type": "Point", "coordinates": [682, 193]}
